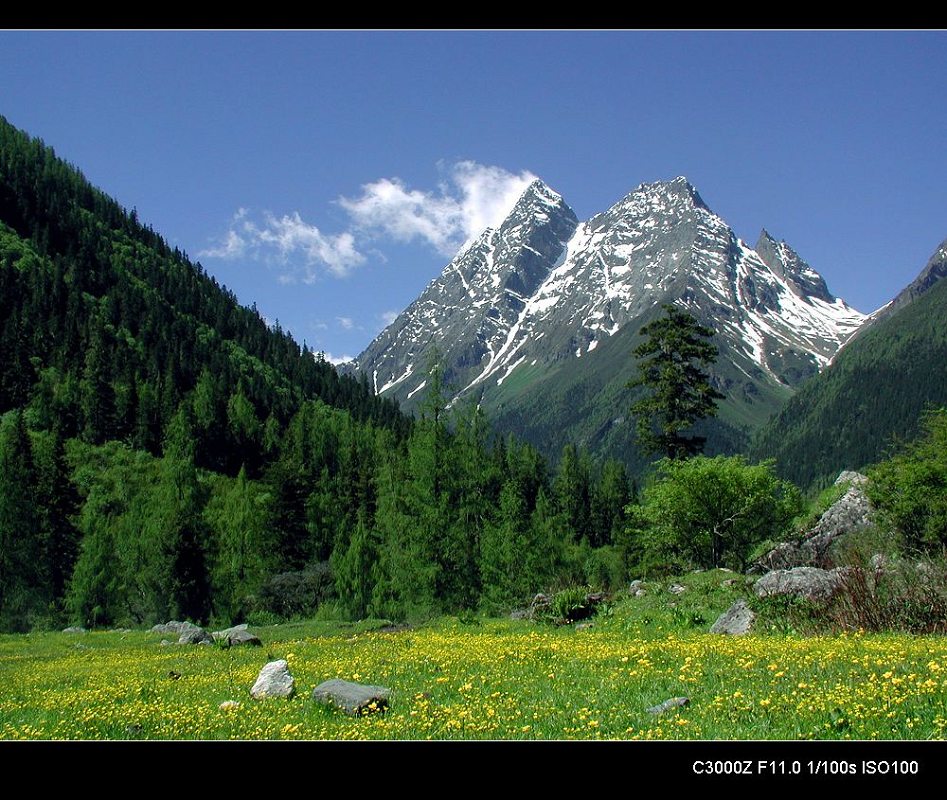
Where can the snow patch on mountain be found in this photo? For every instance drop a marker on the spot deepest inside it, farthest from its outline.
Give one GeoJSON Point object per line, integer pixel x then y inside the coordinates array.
{"type": "Point", "coordinates": [544, 287]}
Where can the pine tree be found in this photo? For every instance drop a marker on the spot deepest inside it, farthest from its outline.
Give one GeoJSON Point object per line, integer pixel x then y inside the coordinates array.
{"type": "Point", "coordinates": [20, 533]}
{"type": "Point", "coordinates": [680, 393]}
{"type": "Point", "coordinates": [609, 499]}
{"type": "Point", "coordinates": [356, 570]}
{"type": "Point", "coordinates": [572, 489]}
{"type": "Point", "coordinates": [184, 533]}
{"type": "Point", "coordinates": [57, 502]}
{"type": "Point", "coordinates": [245, 546]}
{"type": "Point", "coordinates": [98, 397]}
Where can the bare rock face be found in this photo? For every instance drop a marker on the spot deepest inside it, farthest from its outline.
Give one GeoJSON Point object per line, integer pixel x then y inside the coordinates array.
{"type": "Point", "coordinates": [811, 583]}
{"type": "Point", "coordinates": [735, 621]}
{"type": "Point", "coordinates": [274, 680]}
{"type": "Point", "coordinates": [851, 512]}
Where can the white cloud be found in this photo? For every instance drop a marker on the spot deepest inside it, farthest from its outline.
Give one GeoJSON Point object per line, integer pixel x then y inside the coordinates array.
{"type": "Point", "coordinates": [232, 246]}
{"type": "Point", "coordinates": [290, 242]}
{"type": "Point", "coordinates": [471, 197]}
{"type": "Point", "coordinates": [333, 359]}
{"type": "Point", "coordinates": [345, 323]}
{"type": "Point", "coordinates": [474, 197]}
{"type": "Point", "coordinates": [388, 316]}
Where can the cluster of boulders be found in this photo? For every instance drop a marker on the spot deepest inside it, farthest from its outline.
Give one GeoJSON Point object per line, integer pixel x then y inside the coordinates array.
{"type": "Point", "coordinates": [541, 605]}
{"type": "Point", "coordinates": [800, 569]}
{"type": "Point", "coordinates": [354, 699]}
{"type": "Point", "coordinates": [189, 633]}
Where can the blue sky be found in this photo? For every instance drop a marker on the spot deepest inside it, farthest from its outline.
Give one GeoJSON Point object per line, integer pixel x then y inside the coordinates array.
{"type": "Point", "coordinates": [326, 176]}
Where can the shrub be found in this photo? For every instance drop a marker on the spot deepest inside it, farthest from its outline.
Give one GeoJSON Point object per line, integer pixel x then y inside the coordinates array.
{"type": "Point", "coordinates": [711, 512]}
{"type": "Point", "coordinates": [571, 604]}
{"type": "Point", "coordinates": [893, 595]}
{"type": "Point", "coordinates": [909, 490]}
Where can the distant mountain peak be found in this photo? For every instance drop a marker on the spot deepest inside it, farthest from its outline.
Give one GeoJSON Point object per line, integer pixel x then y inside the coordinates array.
{"type": "Point", "coordinates": [788, 265]}
{"type": "Point", "coordinates": [544, 297]}
{"type": "Point", "coordinates": [538, 196]}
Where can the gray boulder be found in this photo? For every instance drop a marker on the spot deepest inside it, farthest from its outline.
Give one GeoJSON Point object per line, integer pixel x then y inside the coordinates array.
{"type": "Point", "coordinates": [539, 606]}
{"type": "Point", "coordinates": [735, 621]}
{"type": "Point", "coordinates": [245, 638]}
{"type": "Point", "coordinates": [676, 588]}
{"type": "Point", "coordinates": [667, 705]}
{"type": "Point", "coordinates": [74, 629]}
{"type": "Point", "coordinates": [227, 631]}
{"type": "Point", "coordinates": [174, 627]}
{"type": "Point", "coordinates": [355, 699]}
{"type": "Point", "coordinates": [635, 585]}
{"type": "Point", "coordinates": [274, 680]}
{"type": "Point", "coordinates": [237, 635]}
{"type": "Point", "coordinates": [810, 583]}
{"type": "Point", "coordinates": [195, 635]}
{"type": "Point", "coordinates": [851, 512]}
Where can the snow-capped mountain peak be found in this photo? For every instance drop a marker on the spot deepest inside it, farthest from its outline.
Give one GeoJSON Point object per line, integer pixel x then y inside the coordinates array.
{"type": "Point", "coordinates": [542, 289]}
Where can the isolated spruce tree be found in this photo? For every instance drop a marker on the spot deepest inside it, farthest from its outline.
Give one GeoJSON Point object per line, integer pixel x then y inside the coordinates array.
{"type": "Point", "coordinates": [671, 361]}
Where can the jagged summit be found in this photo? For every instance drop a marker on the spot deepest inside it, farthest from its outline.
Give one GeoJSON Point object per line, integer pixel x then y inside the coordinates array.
{"type": "Point", "coordinates": [786, 263]}
{"type": "Point", "coordinates": [524, 305]}
{"type": "Point", "coordinates": [539, 192]}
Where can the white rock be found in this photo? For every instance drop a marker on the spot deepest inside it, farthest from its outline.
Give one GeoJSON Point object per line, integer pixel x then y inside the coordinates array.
{"type": "Point", "coordinates": [274, 680]}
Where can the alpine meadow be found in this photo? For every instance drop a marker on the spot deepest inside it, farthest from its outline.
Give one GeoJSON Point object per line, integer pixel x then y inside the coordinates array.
{"type": "Point", "coordinates": [616, 475]}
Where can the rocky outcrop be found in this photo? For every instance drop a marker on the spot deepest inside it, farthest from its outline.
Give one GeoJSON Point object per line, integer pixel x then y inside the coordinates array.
{"type": "Point", "coordinates": [228, 631]}
{"type": "Point", "coordinates": [735, 621]}
{"type": "Point", "coordinates": [851, 512]}
{"type": "Point", "coordinates": [810, 583]}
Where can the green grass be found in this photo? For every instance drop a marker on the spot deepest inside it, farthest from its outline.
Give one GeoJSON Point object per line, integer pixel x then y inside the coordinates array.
{"type": "Point", "coordinates": [498, 679]}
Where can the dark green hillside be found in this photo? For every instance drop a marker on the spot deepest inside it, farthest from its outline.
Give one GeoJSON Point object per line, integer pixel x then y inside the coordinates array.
{"type": "Point", "coordinates": [166, 455]}
{"type": "Point", "coordinates": [104, 328]}
{"type": "Point", "coordinates": [586, 401]}
{"type": "Point", "coordinates": [871, 395]}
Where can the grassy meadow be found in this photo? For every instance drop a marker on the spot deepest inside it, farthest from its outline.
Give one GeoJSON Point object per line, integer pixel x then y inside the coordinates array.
{"type": "Point", "coordinates": [468, 678]}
